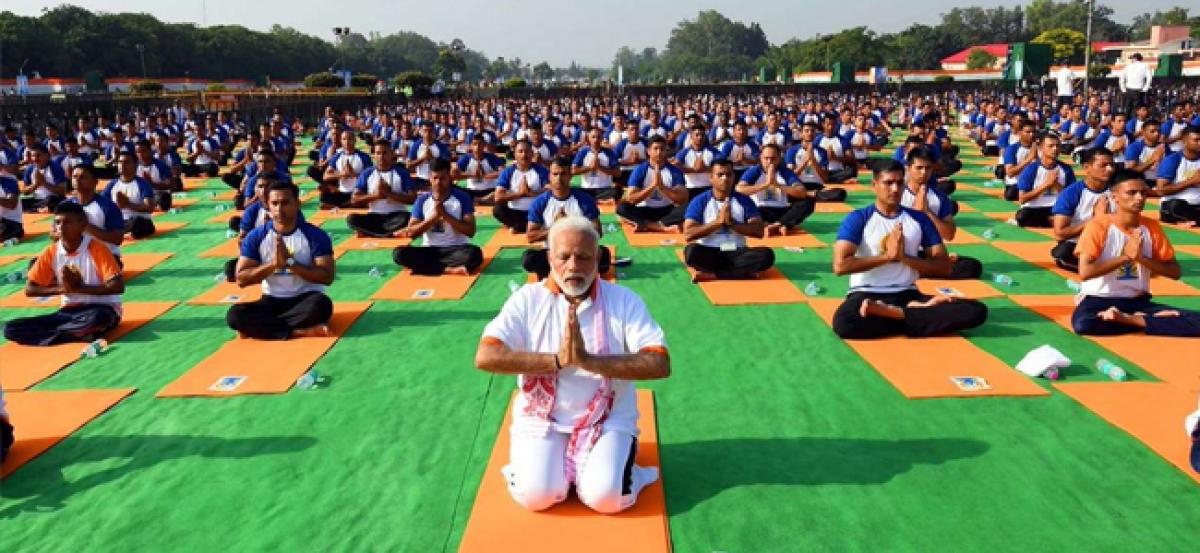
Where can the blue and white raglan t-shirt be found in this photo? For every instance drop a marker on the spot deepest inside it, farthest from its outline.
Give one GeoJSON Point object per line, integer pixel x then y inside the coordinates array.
{"type": "Point", "coordinates": [1176, 168]}
{"type": "Point", "coordinates": [1078, 202]}
{"type": "Point", "coordinates": [705, 209]}
{"type": "Point", "coordinates": [457, 205]}
{"type": "Point", "coordinates": [355, 161]}
{"type": "Point", "coordinates": [1035, 174]}
{"type": "Point", "coordinates": [137, 190]}
{"type": "Point", "coordinates": [798, 154]}
{"type": "Point", "coordinates": [867, 228]}
{"type": "Point", "coordinates": [536, 177]}
{"type": "Point", "coordinates": [546, 208]}
{"type": "Point", "coordinates": [687, 158]}
{"type": "Point", "coordinates": [784, 177]}
{"type": "Point", "coordinates": [469, 166]}
{"type": "Point", "coordinates": [670, 175]}
{"type": "Point", "coordinates": [306, 243]}
{"type": "Point", "coordinates": [396, 179]}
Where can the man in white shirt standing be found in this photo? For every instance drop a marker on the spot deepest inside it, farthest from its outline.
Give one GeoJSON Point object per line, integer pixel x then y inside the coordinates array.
{"type": "Point", "coordinates": [577, 344]}
{"type": "Point", "coordinates": [1135, 83]}
{"type": "Point", "coordinates": [1065, 81]}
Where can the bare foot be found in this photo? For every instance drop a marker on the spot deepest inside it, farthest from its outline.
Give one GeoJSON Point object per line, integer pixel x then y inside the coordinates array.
{"type": "Point", "coordinates": [311, 332]}
{"type": "Point", "coordinates": [703, 277]}
{"type": "Point", "coordinates": [456, 271]}
{"type": "Point", "coordinates": [672, 228]}
{"type": "Point", "coordinates": [932, 301]}
{"type": "Point", "coordinates": [1167, 313]}
{"type": "Point", "coordinates": [1114, 315]}
{"type": "Point", "coordinates": [775, 228]}
{"type": "Point", "coordinates": [360, 234]}
{"type": "Point", "coordinates": [654, 226]}
{"type": "Point", "coordinates": [876, 308]}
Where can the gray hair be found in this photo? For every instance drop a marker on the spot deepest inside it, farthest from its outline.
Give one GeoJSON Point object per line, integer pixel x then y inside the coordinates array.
{"type": "Point", "coordinates": [573, 223]}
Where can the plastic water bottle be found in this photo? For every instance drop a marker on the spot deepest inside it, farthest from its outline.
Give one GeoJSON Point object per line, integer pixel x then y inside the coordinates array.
{"type": "Point", "coordinates": [173, 211]}
{"type": "Point", "coordinates": [230, 233]}
{"type": "Point", "coordinates": [14, 277]}
{"type": "Point", "coordinates": [513, 286]}
{"type": "Point", "coordinates": [94, 349]}
{"type": "Point", "coordinates": [989, 234]}
{"type": "Point", "coordinates": [611, 228]}
{"type": "Point", "coordinates": [11, 242]}
{"type": "Point", "coordinates": [375, 272]}
{"type": "Point", "coordinates": [310, 380]}
{"type": "Point", "coordinates": [1074, 285]}
{"type": "Point", "coordinates": [218, 277]}
{"type": "Point", "coordinates": [812, 288]}
{"type": "Point", "coordinates": [1002, 279]}
{"type": "Point", "coordinates": [1111, 370]}
{"type": "Point", "coordinates": [1051, 374]}
{"type": "Point", "coordinates": [220, 207]}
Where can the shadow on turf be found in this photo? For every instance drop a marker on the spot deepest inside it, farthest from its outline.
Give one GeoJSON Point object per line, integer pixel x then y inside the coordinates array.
{"type": "Point", "coordinates": [703, 469]}
{"type": "Point", "coordinates": [41, 487]}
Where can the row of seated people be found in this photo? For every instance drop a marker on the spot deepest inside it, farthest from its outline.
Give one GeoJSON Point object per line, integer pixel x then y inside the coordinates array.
{"type": "Point", "coordinates": [884, 247]}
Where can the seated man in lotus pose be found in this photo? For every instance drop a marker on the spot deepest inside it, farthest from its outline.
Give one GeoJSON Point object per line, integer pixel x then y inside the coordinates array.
{"type": "Point", "coordinates": [387, 190]}
{"type": "Point", "coordinates": [716, 226]}
{"type": "Point", "coordinates": [558, 201]}
{"type": "Point", "coordinates": [1118, 253]}
{"type": "Point", "coordinates": [1039, 185]}
{"type": "Point", "coordinates": [516, 187]}
{"type": "Point", "coordinates": [84, 272]}
{"type": "Point", "coordinates": [885, 247]}
{"type": "Point", "coordinates": [577, 343]}
{"type": "Point", "coordinates": [656, 195]}
{"type": "Point", "coordinates": [1079, 203]}
{"type": "Point", "coordinates": [293, 261]}
{"type": "Point", "coordinates": [919, 196]}
{"type": "Point", "coordinates": [445, 219]}
{"type": "Point", "coordinates": [782, 199]}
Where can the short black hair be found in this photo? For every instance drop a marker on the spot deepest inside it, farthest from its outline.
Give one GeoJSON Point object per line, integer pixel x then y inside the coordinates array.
{"type": "Point", "coordinates": [889, 166]}
{"type": "Point", "coordinates": [1151, 122]}
{"type": "Point", "coordinates": [72, 209]}
{"type": "Point", "coordinates": [656, 139]}
{"type": "Point", "coordinates": [920, 152]}
{"type": "Point", "coordinates": [1090, 154]}
{"type": "Point", "coordinates": [563, 161]}
{"type": "Point", "coordinates": [439, 165]}
{"type": "Point", "coordinates": [286, 186]}
{"type": "Point", "coordinates": [1191, 129]}
{"type": "Point", "coordinates": [1123, 175]}
{"type": "Point", "coordinates": [720, 162]}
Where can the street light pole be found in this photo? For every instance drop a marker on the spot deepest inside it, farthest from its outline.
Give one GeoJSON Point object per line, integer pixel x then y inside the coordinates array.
{"type": "Point", "coordinates": [1087, 49]}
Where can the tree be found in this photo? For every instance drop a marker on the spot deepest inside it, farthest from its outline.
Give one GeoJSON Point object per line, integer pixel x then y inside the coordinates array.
{"type": "Point", "coordinates": [984, 26]}
{"type": "Point", "coordinates": [1067, 45]}
{"type": "Point", "coordinates": [448, 63]}
{"type": "Point", "coordinates": [980, 59]}
{"type": "Point", "coordinates": [712, 47]}
{"type": "Point", "coordinates": [1140, 28]}
{"type": "Point", "coordinates": [415, 79]}
{"type": "Point", "coordinates": [323, 80]}
{"type": "Point", "coordinates": [543, 72]}
{"type": "Point", "coordinates": [1045, 15]}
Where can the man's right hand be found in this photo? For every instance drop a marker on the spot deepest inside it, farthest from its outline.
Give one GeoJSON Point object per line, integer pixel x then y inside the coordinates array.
{"type": "Point", "coordinates": [893, 244]}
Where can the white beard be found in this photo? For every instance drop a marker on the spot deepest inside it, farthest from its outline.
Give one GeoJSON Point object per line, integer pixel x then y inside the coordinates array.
{"type": "Point", "coordinates": [571, 289]}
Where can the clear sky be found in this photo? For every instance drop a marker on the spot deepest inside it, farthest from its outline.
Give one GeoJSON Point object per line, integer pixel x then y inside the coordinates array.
{"type": "Point", "coordinates": [558, 32]}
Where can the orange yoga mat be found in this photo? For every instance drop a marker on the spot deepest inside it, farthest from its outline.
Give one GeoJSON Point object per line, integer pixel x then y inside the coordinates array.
{"type": "Point", "coordinates": [370, 243]}
{"type": "Point", "coordinates": [1038, 253]}
{"type": "Point", "coordinates": [771, 287]}
{"type": "Point", "coordinates": [1004, 217]}
{"type": "Point", "coordinates": [995, 192]}
{"type": "Point", "coordinates": [1169, 358]}
{"type": "Point", "coordinates": [224, 250]}
{"type": "Point", "coordinates": [160, 228]}
{"type": "Point", "coordinates": [226, 196]}
{"type": "Point", "coordinates": [964, 207]}
{"type": "Point", "coordinates": [227, 293]}
{"type": "Point", "coordinates": [409, 287]}
{"type": "Point", "coordinates": [797, 238]}
{"type": "Point", "coordinates": [973, 289]}
{"type": "Point", "coordinates": [37, 229]}
{"type": "Point", "coordinates": [274, 367]}
{"type": "Point", "coordinates": [6, 259]}
{"type": "Point", "coordinates": [498, 523]}
{"type": "Point", "coordinates": [1181, 227]}
{"type": "Point", "coordinates": [1185, 248]}
{"type": "Point", "coordinates": [135, 264]}
{"type": "Point", "coordinates": [193, 183]}
{"type": "Point", "coordinates": [25, 366]}
{"type": "Point", "coordinates": [1152, 412]}
{"type": "Point", "coordinates": [326, 214]}
{"type": "Point", "coordinates": [504, 237]}
{"type": "Point", "coordinates": [653, 239]}
{"type": "Point", "coordinates": [606, 207]}
{"type": "Point", "coordinates": [834, 207]}
{"type": "Point", "coordinates": [182, 202]}
{"type": "Point", "coordinates": [42, 419]}
{"type": "Point", "coordinates": [922, 368]}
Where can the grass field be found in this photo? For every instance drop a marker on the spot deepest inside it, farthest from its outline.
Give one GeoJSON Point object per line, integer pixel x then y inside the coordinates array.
{"type": "Point", "coordinates": [775, 435]}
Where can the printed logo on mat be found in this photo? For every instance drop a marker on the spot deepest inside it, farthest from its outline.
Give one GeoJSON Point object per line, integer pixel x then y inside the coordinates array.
{"type": "Point", "coordinates": [950, 292]}
{"type": "Point", "coordinates": [971, 383]}
{"type": "Point", "coordinates": [231, 298]}
{"type": "Point", "coordinates": [227, 383]}
{"type": "Point", "coordinates": [423, 294]}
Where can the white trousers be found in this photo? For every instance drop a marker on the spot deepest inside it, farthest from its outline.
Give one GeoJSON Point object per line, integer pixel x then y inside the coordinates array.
{"type": "Point", "coordinates": [537, 478]}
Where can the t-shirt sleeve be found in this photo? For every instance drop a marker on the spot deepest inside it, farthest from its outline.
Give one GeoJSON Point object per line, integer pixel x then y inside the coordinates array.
{"type": "Point", "coordinates": [749, 208]}
{"type": "Point", "coordinates": [587, 205]}
{"type": "Point", "coordinates": [1160, 248]}
{"type": "Point", "coordinates": [505, 179]}
{"type": "Point", "coordinates": [106, 265]}
{"type": "Point", "coordinates": [536, 207]}
{"type": "Point", "coordinates": [579, 157]}
{"type": "Point", "coordinates": [695, 209]}
{"type": "Point", "coordinates": [1069, 174]}
{"type": "Point", "coordinates": [508, 326]}
{"type": "Point", "coordinates": [1066, 202]}
{"type": "Point", "coordinates": [637, 176]}
{"type": "Point", "coordinates": [1091, 242]}
{"type": "Point", "coordinates": [852, 227]}
{"type": "Point", "coordinates": [361, 184]}
{"type": "Point", "coordinates": [642, 332]}
{"type": "Point", "coordinates": [113, 218]}
{"type": "Point", "coordinates": [251, 243]}
{"type": "Point", "coordinates": [1168, 167]}
{"type": "Point", "coordinates": [751, 175]}
{"type": "Point", "coordinates": [41, 272]}
{"type": "Point", "coordinates": [319, 241]}
{"type": "Point", "coordinates": [145, 189]}
{"type": "Point", "coordinates": [1132, 152]}
{"type": "Point", "coordinates": [1010, 154]}
{"type": "Point", "coordinates": [930, 236]}
{"type": "Point", "coordinates": [789, 177]}
{"type": "Point", "coordinates": [1025, 180]}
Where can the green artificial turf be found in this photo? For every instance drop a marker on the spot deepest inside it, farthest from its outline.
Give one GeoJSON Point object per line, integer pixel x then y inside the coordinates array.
{"type": "Point", "coordinates": [775, 435]}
